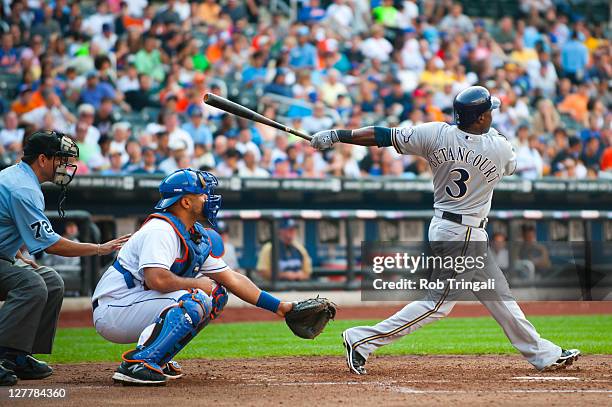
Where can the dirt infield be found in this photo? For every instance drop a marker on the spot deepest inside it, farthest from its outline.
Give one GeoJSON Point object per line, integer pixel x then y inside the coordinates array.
{"type": "Point", "coordinates": [248, 314]}
{"type": "Point", "coordinates": [322, 381]}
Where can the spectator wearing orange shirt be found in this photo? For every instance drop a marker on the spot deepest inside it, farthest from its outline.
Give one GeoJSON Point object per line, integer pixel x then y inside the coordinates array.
{"type": "Point", "coordinates": [575, 104]}
{"type": "Point", "coordinates": [25, 103]}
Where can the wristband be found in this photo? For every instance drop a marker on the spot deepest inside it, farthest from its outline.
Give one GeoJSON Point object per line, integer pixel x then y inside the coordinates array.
{"type": "Point", "coordinates": [344, 135]}
{"type": "Point", "coordinates": [268, 301]}
{"type": "Point", "coordinates": [382, 135]}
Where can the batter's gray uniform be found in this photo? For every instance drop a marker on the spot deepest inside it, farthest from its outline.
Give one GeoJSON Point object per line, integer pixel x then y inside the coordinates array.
{"type": "Point", "coordinates": [466, 168]}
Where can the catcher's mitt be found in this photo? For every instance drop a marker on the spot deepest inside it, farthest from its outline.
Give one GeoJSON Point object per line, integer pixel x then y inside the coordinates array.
{"type": "Point", "coordinates": [308, 318]}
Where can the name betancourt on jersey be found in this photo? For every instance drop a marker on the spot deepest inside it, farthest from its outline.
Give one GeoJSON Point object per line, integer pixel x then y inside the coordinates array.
{"type": "Point", "coordinates": [462, 154]}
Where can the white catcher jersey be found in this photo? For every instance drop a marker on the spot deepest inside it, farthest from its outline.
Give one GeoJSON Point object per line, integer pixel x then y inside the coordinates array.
{"type": "Point", "coordinates": [466, 167]}
{"type": "Point", "coordinates": [155, 244]}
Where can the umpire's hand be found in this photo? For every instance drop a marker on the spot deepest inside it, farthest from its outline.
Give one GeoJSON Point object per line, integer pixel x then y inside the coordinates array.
{"type": "Point", "coordinates": [324, 140]}
{"type": "Point", "coordinates": [112, 245]}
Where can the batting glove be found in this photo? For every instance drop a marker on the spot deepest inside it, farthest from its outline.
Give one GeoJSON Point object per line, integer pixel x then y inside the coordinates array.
{"type": "Point", "coordinates": [324, 140]}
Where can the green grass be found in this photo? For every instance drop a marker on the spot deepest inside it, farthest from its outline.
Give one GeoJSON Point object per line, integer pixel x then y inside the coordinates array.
{"type": "Point", "coordinates": [591, 334]}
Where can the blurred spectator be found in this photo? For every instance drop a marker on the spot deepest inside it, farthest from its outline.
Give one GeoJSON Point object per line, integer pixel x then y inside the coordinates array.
{"type": "Point", "coordinates": [94, 90]}
{"type": "Point", "coordinates": [148, 165]}
{"type": "Point", "coordinates": [332, 88]}
{"type": "Point", "coordinates": [318, 121]}
{"type": "Point", "coordinates": [116, 164]}
{"type": "Point", "coordinates": [294, 263]}
{"type": "Point", "coordinates": [197, 128]}
{"type": "Point", "coordinates": [171, 124]}
{"type": "Point", "coordinates": [576, 104]}
{"type": "Point", "coordinates": [340, 16]}
{"type": "Point", "coordinates": [134, 153]}
{"type": "Point", "coordinates": [529, 163]}
{"type": "Point", "coordinates": [591, 154]}
{"type": "Point", "coordinates": [71, 232]}
{"type": "Point", "coordinates": [105, 116]}
{"type": "Point", "coordinates": [149, 59]}
{"type": "Point", "coordinates": [574, 58]}
{"type": "Point", "coordinates": [24, 103]}
{"type": "Point", "coordinates": [546, 118]}
{"type": "Point", "coordinates": [8, 54]}
{"type": "Point", "coordinates": [60, 116]}
{"type": "Point", "coordinates": [569, 150]}
{"type": "Point", "coordinates": [303, 54]}
{"type": "Point", "coordinates": [230, 164]}
{"type": "Point", "coordinates": [499, 251]}
{"type": "Point", "coordinates": [144, 96]}
{"type": "Point", "coordinates": [11, 137]}
{"type": "Point", "coordinates": [456, 22]}
{"type": "Point", "coordinates": [178, 150]}
{"type": "Point", "coordinates": [311, 12]}
{"type": "Point", "coordinates": [377, 46]}
{"type": "Point", "coordinates": [531, 256]}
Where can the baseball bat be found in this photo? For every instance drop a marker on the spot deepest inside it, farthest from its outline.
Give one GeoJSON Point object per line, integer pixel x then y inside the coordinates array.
{"type": "Point", "coordinates": [241, 111]}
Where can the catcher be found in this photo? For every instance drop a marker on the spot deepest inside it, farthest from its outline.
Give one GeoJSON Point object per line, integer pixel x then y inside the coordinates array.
{"type": "Point", "coordinates": [169, 281]}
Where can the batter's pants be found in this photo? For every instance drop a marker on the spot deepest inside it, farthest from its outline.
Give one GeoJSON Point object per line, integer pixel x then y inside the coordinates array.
{"type": "Point", "coordinates": [438, 304]}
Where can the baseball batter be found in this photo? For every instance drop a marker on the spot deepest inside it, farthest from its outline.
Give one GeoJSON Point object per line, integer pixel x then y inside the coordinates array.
{"type": "Point", "coordinates": [169, 281]}
{"type": "Point", "coordinates": [467, 160]}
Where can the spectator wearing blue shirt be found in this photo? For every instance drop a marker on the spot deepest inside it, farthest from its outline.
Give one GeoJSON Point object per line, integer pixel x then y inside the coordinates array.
{"type": "Point", "coordinates": [94, 90]}
{"type": "Point", "coordinates": [574, 59]}
{"type": "Point", "coordinates": [255, 73]}
{"type": "Point", "coordinates": [33, 294]}
{"type": "Point", "coordinates": [312, 13]}
{"type": "Point", "coordinates": [303, 55]}
{"type": "Point", "coordinates": [8, 54]}
{"type": "Point", "coordinates": [278, 85]}
{"type": "Point", "coordinates": [197, 129]}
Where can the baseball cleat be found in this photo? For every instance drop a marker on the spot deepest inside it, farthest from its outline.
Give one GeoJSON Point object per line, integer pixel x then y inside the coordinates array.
{"type": "Point", "coordinates": [7, 378]}
{"type": "Point", "coordinates": [354, 360]}
{"type": "Point", "coordinates": [139, 374]}
{"type": "Point", "coordinates": [27, 367]}
{"type": "Point", "coordinates": [566, 359]}
{"type": "Point", "coordinates": [173, 370]}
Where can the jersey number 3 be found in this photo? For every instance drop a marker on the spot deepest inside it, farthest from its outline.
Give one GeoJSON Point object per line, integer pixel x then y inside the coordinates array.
{"type": "Point", "coordinates": [41, 224]}
{"type": "Point", "coordinates": [464, 176]}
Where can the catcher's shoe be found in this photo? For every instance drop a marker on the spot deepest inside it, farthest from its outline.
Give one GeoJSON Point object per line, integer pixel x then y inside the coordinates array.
{"type": "Point", "coordinates": [139, 374]}
{"type": "Point", "coordinates": [566, 359]}
{"type": "Point", "coordinates": [354, 360]}
{"type": "Point", "coordinates": [173, 370]}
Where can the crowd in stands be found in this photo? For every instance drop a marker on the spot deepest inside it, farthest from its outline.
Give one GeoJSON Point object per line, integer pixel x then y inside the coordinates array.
{"type": "Point", "coordinates": [126, 80]}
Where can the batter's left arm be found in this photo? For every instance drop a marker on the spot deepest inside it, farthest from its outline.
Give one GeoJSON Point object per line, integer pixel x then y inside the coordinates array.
{"type": "Point", "coordinates": [417, 140]}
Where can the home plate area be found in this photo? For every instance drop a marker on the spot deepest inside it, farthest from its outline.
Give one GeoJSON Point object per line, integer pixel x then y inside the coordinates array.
{"type": "Point", "coordinates": [314, 381]}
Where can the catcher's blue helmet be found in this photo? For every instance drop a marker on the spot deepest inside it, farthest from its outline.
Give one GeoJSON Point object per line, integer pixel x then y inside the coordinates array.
{"type": "Point", "coordinates": [470, 103]}
{"type": "Point", "coordinates": [188, 181]}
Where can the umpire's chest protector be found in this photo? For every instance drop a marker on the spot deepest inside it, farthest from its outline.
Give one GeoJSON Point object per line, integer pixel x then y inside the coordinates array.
{"type": "Point", "coordinates": [197, 244]}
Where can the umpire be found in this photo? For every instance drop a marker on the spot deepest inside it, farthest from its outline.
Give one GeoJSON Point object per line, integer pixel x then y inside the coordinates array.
{"type": "Point", "coordinates": [33, 294]}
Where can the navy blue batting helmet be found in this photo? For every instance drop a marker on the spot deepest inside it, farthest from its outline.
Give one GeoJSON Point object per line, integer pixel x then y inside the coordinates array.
{"type": "Point", "coordinates": [470, 103]}
{"type": "Point", "coordinates": [188, 181]}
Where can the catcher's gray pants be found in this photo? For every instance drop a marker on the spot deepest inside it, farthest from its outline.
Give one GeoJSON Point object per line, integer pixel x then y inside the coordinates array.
{"type": "Point", "coordinates": [438, 304]}
{"type": "Point", "coordinates": [32, 302]}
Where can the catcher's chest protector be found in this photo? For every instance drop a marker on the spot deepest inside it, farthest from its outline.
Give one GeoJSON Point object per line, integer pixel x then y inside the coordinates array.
{"type": "Point", "coordinates": [197, 244]}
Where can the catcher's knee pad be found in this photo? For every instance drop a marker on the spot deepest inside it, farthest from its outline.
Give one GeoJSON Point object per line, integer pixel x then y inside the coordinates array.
{"type": "Point", "coordinates": [174, 328]}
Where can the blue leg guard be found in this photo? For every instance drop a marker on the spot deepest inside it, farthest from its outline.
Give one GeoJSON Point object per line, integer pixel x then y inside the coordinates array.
{"type": "Point", "coordinates": [174, 328]}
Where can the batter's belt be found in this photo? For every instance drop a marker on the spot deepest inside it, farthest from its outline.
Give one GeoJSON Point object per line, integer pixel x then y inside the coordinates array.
{"type": "Point", "coordinates": [465, 220]}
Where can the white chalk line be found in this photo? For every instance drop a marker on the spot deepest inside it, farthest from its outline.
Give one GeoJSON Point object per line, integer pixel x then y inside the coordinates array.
{"type": "Point", "coordinates": [409, 390]}
{"type": "Point", "coordinates": [546, 378]}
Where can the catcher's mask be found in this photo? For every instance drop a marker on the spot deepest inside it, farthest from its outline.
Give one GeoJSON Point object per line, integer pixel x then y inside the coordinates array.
{"type": "Point", "coordinates": [188, 181]}
{"type": "Point", "coordinates": [61, 148]}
